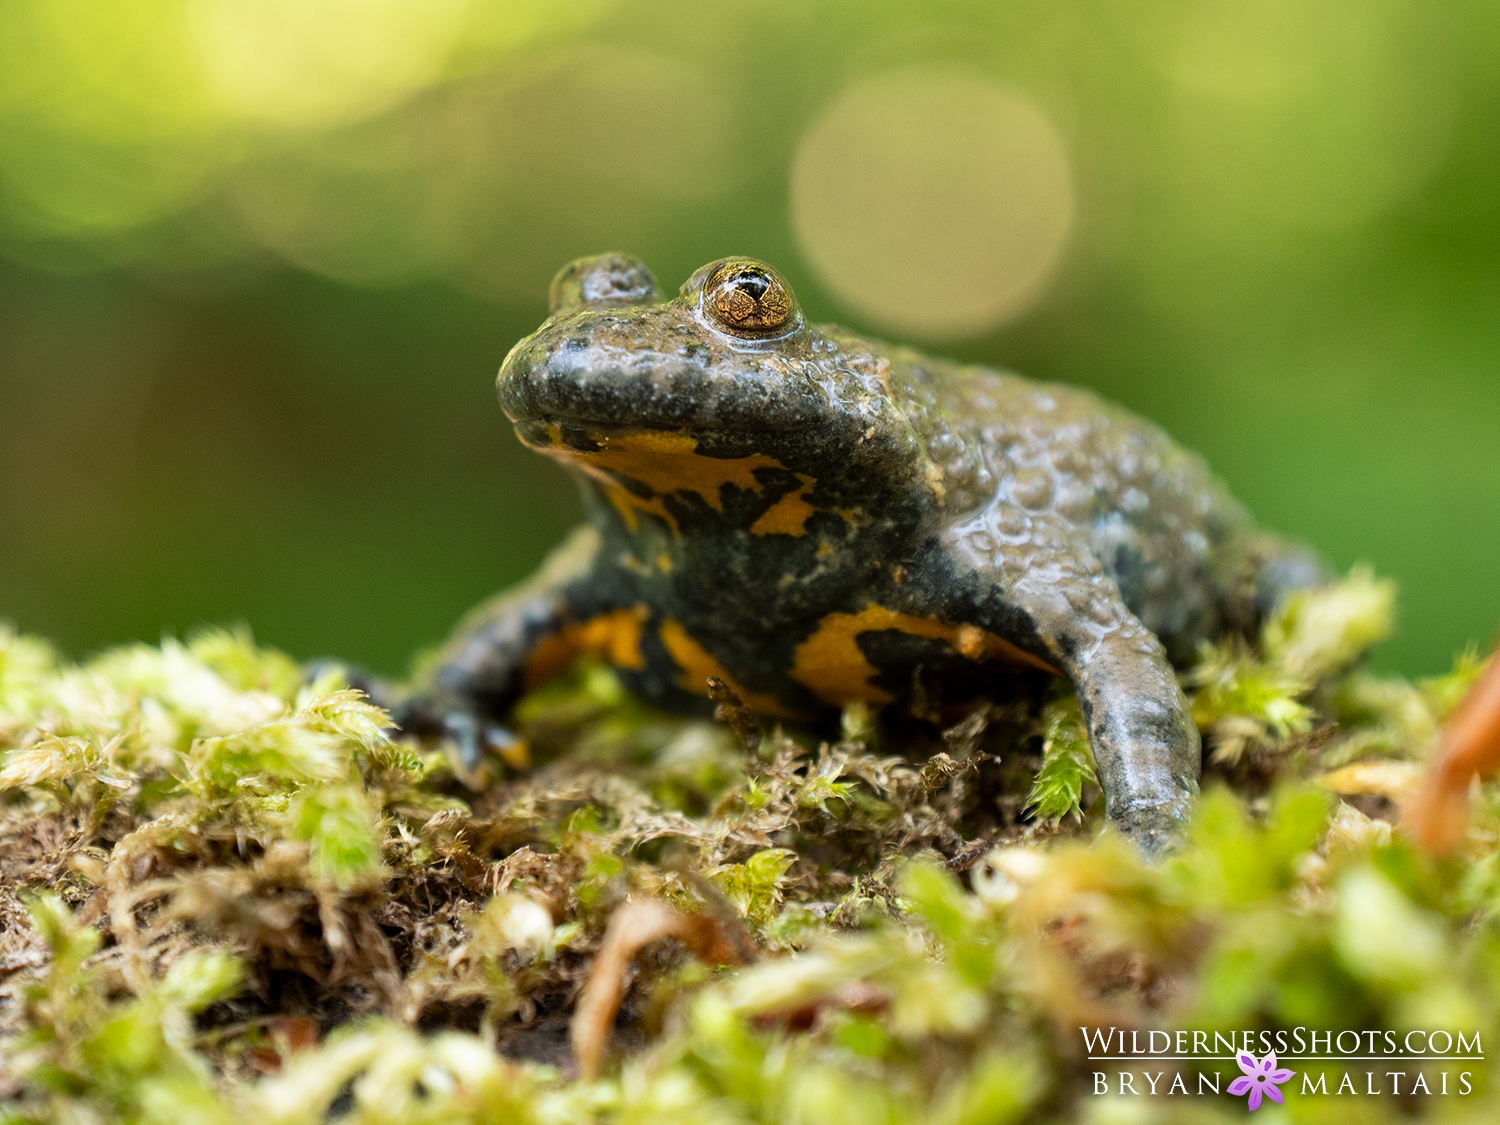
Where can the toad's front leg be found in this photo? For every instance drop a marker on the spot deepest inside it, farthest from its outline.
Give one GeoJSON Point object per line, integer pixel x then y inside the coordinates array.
{"type": "Point", "coordinates": [1023, 576]}
{"type": "Point", "coordinates": [517, 641]}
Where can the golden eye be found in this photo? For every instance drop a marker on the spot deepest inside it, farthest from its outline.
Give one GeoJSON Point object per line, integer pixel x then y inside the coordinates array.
{"type": "Point", "coordinates": [748, 298]}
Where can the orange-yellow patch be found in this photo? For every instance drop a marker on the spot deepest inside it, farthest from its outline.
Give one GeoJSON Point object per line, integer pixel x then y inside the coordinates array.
{"type": "Point", "coordinates": [698, 664]}
{"type": "Point", "coordinates": [629, 505]}
{"type": "Point", "coordinates": [669, 462]}
{"type": "Point", "coordinates": [789, 515]}
{"type": "Point", "coordinates": [832, 666]}
{"type": "Point", "coordinates": [615, 635]}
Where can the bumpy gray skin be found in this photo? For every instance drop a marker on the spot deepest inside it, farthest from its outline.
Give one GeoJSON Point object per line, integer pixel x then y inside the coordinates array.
{"type": "Point", "coordinates": [1034, 512]}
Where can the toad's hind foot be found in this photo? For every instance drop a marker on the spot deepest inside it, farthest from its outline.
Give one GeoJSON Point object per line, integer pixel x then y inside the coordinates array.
{"type": "Point", "coordinates": [1283, 568]}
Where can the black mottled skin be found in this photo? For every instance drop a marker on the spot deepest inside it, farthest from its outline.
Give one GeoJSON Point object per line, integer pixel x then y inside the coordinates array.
{"type": "Point", "coordinates": [1034, 511]}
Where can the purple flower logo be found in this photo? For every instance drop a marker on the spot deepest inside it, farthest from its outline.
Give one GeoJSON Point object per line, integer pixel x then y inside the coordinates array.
{"type": "Point", "coordinates": [1260, 1078]}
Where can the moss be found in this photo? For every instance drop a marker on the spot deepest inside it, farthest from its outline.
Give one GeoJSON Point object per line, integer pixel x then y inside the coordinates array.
{"type": "Point", "coordinates": [1067, 763]}
{"type": "Point", "coordinates": [227, 894]}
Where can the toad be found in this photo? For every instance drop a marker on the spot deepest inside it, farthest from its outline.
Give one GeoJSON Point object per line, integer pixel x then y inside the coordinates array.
{"type": "Point", "coordinates": [818, 519]}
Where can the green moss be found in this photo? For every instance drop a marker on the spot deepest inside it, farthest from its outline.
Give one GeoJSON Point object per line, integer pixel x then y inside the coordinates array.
{"type": "Point", "coordinates": [229, 895]}
{"type": "Point", "coordinates": [1067, 763]}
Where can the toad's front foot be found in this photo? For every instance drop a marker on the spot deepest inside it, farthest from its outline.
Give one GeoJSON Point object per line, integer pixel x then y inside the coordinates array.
{"type": "Point", "coordinates": [1140, 728]}
{"type": "Point", "coordinates": [472, 734]}
{"type": "Point", "coordinates": [1143, 737]}
{"type": "Point", "coordinates": [1148, 764]}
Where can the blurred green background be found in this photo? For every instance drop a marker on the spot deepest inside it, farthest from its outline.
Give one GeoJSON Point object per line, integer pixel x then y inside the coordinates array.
{"type": "Point", "coordinates": [259, 263]}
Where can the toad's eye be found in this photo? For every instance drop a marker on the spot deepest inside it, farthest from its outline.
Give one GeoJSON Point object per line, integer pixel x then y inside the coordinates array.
{"type": "Point", "coordinates": [748, 298]}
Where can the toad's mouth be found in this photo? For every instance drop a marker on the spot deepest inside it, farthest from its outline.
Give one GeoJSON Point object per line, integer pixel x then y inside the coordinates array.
{"type": "Point", "coordinates": [638, 470]}
{"type": "Point", "coordinates": [723, 413]}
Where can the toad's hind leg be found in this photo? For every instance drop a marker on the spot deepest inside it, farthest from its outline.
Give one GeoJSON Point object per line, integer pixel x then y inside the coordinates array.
{"type": "Point", "coordinates": [1283, 568]}
{"type": "Point", "coordinates": [1026, 578]}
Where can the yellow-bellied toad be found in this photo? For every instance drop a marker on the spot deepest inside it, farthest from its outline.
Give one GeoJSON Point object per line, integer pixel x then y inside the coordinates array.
{"type": "Point", "coordinates": [816, 518]}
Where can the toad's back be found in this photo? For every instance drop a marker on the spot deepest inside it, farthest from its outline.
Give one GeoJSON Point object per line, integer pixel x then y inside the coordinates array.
{"type": "Point", "coordinates": [1185, 554]}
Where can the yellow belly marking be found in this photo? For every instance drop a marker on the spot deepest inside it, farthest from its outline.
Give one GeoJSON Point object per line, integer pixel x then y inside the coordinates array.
{"type": "Point", "coordinates": [789, 515]}
{"type": "Point", "coordinates": [831, 665]}
{"type": "Point", "coordinates": [669, 462]}
{"type": "Point", "coordinates": [615, 635]}
{"type": "Point", "coordinates": [698, 664]}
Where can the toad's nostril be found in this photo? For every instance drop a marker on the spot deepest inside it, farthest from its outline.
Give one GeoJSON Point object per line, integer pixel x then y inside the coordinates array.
{"type": "Point", "coordinates": [603, 279]}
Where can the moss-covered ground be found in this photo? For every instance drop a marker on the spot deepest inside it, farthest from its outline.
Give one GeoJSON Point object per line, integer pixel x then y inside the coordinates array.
{"type": "Point", "coordinates": [226, 894]}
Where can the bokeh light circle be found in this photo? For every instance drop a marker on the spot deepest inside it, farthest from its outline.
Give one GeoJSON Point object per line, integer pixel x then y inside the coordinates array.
{"type": "Point", "coordinates": [313, 63]}
{"type": "Point", "coordinates": [933, 202]}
